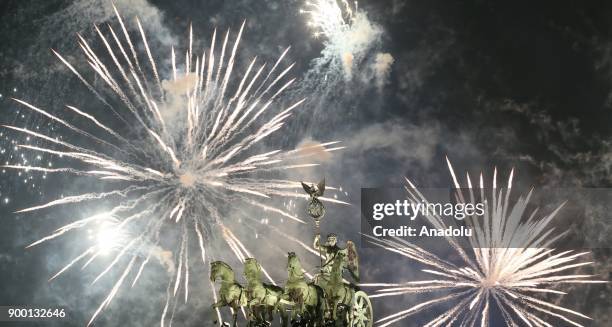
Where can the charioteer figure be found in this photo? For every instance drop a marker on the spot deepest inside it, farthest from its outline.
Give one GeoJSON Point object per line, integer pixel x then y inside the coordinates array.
{"type": "Point", "coordinates": [330, 251]}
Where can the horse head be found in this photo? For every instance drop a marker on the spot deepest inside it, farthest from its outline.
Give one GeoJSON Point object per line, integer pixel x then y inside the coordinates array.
{"type": "Point", "coordinates": [294, 267]}
{"type": "Point", "coordinates": [220, 269]}
{"type": "Point", "coordinates": [252, 269]}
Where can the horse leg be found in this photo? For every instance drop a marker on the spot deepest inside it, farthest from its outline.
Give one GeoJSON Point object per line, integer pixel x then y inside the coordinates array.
{"type": "Point", "coordinates": [261, 317]}
{"type": "Point", "coordinates": [283, 315]}
{"type": "Point", "coordinates": [249, 316]}
{"type": "Point", "coordinates": [300, 311]}
{"type": "Point", "coordinates": [315, 316]}
{"type": "Point", "coordinates": [235, 317]}
{"type": "Point", "coordinates": [261, 314]}
{"type": "Point", "coordinates": [305, 314]}
{"type": "Point", "coordinates": [255, 315]}
{"type": "Point", "coordinates": [338, 321]}
{"type": "Point", "coordinates": [335, 311]}
{"type": "Point", "coordinates": [270, 310]}
{"type": "Point", "coordinates": [312, 317]}
{"type": "Point", "coordinates": [265, 319]}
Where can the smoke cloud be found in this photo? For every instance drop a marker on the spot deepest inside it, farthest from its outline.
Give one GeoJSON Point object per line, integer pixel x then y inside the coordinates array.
{"type": "Point", "coordinates": [382, 68]}
{"type": "Point", "coordinates": [174, 110]}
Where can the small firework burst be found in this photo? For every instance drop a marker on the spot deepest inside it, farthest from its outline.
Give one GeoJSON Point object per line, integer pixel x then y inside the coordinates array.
{"type": "Point", "coordinates": [329, 18]}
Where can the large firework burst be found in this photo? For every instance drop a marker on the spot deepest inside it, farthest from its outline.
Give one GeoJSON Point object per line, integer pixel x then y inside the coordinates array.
{"type": "Point", "coordinates": [185, 150]}
{"type": "Point", "coordinates": [508, 263]}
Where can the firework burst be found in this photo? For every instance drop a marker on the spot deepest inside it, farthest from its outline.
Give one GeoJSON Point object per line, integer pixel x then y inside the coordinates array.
{"type": "Point", "coordinates": [508, 263]}
{"type": "Point", "coordinates": [190, 154]}
{"type": "Point", "coordinates": [349, 36]}
{"type": "Point", "coordinates": [328, 18]}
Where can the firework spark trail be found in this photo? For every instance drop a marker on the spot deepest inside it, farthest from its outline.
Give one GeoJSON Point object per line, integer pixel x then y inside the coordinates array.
{"type": "Point", "coordinates": [511, 258]}
{"type": "Point", "coordinates": [171, 169]}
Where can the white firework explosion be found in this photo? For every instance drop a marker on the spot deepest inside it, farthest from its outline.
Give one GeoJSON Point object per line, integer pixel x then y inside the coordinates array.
{"type": "Point", "coordinates": [508, 263]}
{"type": "Point", "coordinates": [349, 36]}
{"type": "Point", "coordinates": [329, 18]}
{"type": "Point", "coordinates": [173, 174]}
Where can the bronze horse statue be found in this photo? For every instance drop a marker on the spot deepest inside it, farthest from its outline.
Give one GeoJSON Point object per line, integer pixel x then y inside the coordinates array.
{"type": "Point", "coordinates": [308, 298]}
{"type": "Point", "coordinates": [231, 293]}
{"type": "Point", "coordinates": [339, 293]}
{"type": "Point", "coordinates": [262, 298]}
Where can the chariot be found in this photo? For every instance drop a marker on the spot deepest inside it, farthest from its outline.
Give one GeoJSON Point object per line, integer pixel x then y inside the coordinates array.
{"type": "Point", "coordinates": [325, 300]}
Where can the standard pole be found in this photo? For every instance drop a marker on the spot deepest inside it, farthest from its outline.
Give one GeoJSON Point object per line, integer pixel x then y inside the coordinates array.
{"type": "Point", "coordinates": [318, 231]}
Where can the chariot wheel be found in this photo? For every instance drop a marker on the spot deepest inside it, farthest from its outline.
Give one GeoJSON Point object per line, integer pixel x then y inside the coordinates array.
{"type": "Point", "coordinates": [360, 313]}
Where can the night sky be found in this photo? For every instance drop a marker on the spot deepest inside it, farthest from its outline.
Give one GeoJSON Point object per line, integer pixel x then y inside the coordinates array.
{"type": "Point", "coordinates": [520, 84]}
